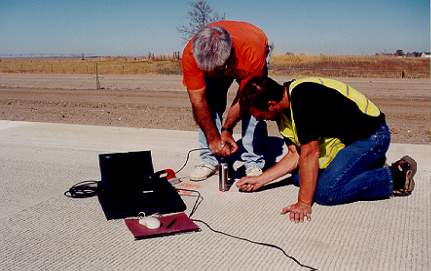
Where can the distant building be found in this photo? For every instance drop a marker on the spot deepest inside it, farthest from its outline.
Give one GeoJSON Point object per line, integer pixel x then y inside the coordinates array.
{"type": "Point", "coordinates": [401, 53]}
{"type": "Point", "coordinates": [413, 54]}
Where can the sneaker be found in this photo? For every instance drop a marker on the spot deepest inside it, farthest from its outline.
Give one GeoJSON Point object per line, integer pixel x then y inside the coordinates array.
{"type": "Point", "coordinates": [403, 171]}
{"type": "Point", "coordinates": [202, 172]}
{"type": "Point", "coordinates": [253, 172]}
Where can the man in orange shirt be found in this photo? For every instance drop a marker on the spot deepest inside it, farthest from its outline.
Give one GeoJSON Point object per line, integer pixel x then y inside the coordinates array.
{"type": "Point", "coordinates": [218, 54]}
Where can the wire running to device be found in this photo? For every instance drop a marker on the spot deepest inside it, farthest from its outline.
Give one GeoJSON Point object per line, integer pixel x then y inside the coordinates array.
{"type": "Point", "coordinates": [199, 200]}
{"type": "Point", "coordinates": [188, 156]}
{"type": "Point", "coordinates": [256, 243]}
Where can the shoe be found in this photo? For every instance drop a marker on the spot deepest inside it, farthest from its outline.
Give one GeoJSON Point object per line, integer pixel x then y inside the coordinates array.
{"type": "Point", "coordinates": [253, 172]}
{"type": "Point", "coordinates": [202, 172]}
{"type": "Point", "coordinates": [403, 171]}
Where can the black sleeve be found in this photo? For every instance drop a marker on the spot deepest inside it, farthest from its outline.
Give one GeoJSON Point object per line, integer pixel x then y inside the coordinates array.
{"type": "Point", "coordinates": [306, 103]}
{"type": "Point", "coordinates": [287, 141]}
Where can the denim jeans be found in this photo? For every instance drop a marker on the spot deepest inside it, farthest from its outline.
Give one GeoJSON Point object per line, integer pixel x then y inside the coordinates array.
{"type": "Point", "coordinates": [356, 173]}
{"type": "Point", "coordinates": [252, 138]}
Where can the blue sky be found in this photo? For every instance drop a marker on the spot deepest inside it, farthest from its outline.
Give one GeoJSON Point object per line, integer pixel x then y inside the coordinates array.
{"type": "Point", "coordinates": [121, 27]}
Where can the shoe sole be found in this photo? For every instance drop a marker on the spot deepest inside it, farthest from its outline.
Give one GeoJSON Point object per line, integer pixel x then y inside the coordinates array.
{"type": "Point", "coordinates": [409, 183]}
{"type": "Point", "coordinates": [412, 163]}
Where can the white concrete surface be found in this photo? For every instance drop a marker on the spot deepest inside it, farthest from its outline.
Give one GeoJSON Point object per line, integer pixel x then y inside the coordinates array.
{"type": "Point", "coordinates": [40, 229]}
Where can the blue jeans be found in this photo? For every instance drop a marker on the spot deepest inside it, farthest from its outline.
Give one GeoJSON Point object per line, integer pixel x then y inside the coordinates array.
{"type": "Point", "coordinates": [252, 138]}
{"type": "Point", "coordinates": [356, 173]}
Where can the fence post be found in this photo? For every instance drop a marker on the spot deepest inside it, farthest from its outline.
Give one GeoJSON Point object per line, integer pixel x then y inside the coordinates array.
{"type": "Point", "coordinates": [97, 77]}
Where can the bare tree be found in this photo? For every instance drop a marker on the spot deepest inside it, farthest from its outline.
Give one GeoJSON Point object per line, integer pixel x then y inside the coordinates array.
{"type": "Point", "coordinates": [199, 15]}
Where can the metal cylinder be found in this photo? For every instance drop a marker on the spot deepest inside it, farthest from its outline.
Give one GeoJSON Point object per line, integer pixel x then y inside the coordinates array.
{"type": "Point", "coordinates": [223, 176]}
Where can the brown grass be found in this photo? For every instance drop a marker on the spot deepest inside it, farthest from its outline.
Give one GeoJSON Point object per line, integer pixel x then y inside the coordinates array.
{"type": "Point", "coordinates": [104, 65]}
{"type": "Point", "coordinates": [351, 66]}
{"type": "Point", "coordinates": [292, 65]}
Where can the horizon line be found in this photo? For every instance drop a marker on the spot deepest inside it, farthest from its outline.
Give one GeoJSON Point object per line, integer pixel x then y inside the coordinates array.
{"type": "Point", "coordinates": [84, 55]}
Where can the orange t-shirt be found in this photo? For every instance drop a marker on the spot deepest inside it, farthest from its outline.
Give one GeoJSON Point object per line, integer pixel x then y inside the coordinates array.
{"type": "Point", "coordinates": [249, 44]}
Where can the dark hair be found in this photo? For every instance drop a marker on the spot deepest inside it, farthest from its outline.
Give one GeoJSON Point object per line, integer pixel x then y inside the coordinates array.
{"type": "Point", "coordinates": [258, 92]}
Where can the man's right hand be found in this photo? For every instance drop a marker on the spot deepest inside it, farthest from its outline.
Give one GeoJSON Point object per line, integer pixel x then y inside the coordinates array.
{"type": "Point", "coordinates": [221, 148]}
{"type": "Point", "coordinates": [249, 183]}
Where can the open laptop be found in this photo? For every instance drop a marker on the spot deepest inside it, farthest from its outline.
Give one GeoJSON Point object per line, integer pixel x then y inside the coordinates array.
{"type": "Point", "coordinates": [129, 185]}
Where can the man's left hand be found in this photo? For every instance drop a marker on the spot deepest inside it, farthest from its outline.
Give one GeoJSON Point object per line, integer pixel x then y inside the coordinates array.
{"type": "Point", "coordinates": [229, 142]}
{"type": "Point", "coordinates": [298, 211]}
{"type": "Point", "coordinates": [249, 183]}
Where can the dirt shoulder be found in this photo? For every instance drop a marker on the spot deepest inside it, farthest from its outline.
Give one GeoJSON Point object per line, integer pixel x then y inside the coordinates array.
{"type": "Point", "coordinates": [154, 101]}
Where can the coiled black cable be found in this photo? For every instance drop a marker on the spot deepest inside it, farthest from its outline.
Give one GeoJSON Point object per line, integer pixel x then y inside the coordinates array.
{"type": "Point", "coordinates": [83, 189]}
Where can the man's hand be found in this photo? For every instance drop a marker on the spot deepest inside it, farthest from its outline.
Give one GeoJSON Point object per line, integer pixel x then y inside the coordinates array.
{"type": "Point", "coordinates": [308, 172]}
{"type": "Point", "coordinates": [249, 184]}
{"type": "Point", "coordinates": [298, 211]}
{"type": "Point", "coordinates": [218, 147]}
{"type": "Point", "coordinates": [229, 142]}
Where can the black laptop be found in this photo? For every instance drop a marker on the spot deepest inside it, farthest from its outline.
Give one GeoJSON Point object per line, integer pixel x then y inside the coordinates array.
{"type": "Point", "coordinates": [129, 186]}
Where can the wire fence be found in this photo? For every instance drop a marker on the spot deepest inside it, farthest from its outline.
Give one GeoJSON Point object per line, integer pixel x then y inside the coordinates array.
{"type": "Point", "coordinates": [92, 67]}
{"type": "Point", "coordinates": [292, 66]}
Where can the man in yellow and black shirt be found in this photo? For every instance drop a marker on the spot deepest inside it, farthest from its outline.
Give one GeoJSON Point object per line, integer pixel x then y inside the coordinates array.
{"type": "Point", "coordinates": [337, 140]}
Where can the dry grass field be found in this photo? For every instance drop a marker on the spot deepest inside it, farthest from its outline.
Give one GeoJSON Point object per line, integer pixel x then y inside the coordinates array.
{"type": "Point", "coordinates": [292, 65]}
{"type": "Point", "coordinates": [103, 65]}
{"type": "Point", "coordinates": [141, 92]}
{"type": "Point", "coordinates": [351, 66]}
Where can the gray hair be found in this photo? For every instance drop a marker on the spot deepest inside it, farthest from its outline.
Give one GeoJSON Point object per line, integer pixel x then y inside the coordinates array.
{"type": "Point", "coordinates": [211, 48]}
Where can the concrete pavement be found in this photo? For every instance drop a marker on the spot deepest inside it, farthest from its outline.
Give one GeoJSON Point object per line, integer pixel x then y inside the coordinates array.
{"type": "Point", "coordinates": [40, 229]}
